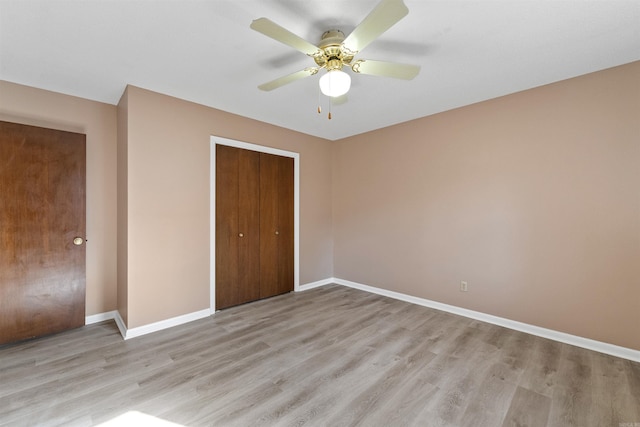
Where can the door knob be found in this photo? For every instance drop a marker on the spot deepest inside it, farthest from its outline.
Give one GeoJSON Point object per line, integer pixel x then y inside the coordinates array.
{"type": "Point", "coordinates": [277, 232]}
{"type": "Point", "coordinates": [241, 235]}
{"type": "Point", "coordinates": [78, 241]}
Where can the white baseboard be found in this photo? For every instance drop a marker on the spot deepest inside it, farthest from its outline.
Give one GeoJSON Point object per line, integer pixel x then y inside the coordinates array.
{"type": "Point", "coordinates": [100, 317]}
{"type": "Point", "coordinates": [122, 327]}
{"type": "Point", "coordinates": [158, 326]}
{"type": "Point", "coordinates": [317, 284]}
{"type": "Point", "coordinates": [614, 350]}
{"type": "Point", "coordinates": [109, 315]}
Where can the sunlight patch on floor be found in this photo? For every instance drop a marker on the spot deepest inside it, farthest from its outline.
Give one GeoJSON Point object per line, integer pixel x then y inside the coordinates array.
{"type": "Point", "coordinates": [138, 419]}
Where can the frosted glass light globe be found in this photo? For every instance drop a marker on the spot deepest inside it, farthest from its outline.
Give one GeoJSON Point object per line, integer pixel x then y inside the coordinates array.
{"type": "Point", "coordinates": [335, 83]}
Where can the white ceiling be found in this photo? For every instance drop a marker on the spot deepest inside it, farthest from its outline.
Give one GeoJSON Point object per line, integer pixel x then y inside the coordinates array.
{"type": "Point", "coordinates": [205, 52]}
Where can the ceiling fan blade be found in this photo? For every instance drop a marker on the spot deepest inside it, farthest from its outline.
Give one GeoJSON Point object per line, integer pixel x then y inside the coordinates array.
{"type": "Point", "coordinates": [278, 33]}
{"type": "Point", "coordinates": [274, 84]}
{"type": "Point", "coordinates": [386, 69]}
{"type": "Point", "coordinates": [379, 20]}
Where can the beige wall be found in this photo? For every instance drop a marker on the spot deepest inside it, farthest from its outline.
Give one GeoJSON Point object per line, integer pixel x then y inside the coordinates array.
{"type": "Point", "coordinates": [532, 198]}
{"type": "Point", "coordinates": [168, 169]}
{"type": "Point", "coordinates": [26, 105]}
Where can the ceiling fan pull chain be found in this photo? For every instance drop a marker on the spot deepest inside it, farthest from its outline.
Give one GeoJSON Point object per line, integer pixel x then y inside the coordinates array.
{"type": "Point", "coordinates": [319, 107]}
{"type": "Point", "coordinates": [330, 102]}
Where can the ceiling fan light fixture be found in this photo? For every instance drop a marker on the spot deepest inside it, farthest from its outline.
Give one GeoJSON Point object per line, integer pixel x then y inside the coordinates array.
{"type": "Point", "coordinates": [335, 83]}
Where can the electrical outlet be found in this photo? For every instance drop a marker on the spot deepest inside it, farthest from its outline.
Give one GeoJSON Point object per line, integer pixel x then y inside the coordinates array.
{"type": "Point", "coordinates": [463, 286]}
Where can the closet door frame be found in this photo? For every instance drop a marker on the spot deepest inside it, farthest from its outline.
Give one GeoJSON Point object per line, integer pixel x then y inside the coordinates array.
{"type": "Point", "coordinates": [216, 140]}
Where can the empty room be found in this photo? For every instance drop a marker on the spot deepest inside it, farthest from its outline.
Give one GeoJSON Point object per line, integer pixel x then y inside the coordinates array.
{"type": "Point", "coordinates": [319, 213]}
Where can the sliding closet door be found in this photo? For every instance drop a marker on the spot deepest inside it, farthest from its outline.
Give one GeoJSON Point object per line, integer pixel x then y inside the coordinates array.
{"type": "Point", "coordinates": [276, 225]}
{"type": "Point", "coordinates": [237, 226]}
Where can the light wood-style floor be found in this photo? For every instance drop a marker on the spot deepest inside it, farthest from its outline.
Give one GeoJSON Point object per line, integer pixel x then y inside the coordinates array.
{"type": "Point", "coordinates": [331, 356]}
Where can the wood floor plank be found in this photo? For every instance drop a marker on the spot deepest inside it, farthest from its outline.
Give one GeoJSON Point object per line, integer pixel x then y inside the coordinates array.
{"type": "Point", "coordinates": [572, 400]}
{"type": "Point", "coordinates": [527, 408]}
{"type": "Point", "coordinates": [328, 356]}
{"type": "Point", "coordinates": [490, 400]}
{"type": "Point", "coordinates": [406, 406]}
{"type": "Point", "coordinates": [377, 401]}
{"type": "Point", "coordinates": [458, 379]}
{"type": "Point", "coordinates": [612, 391]}
{"type": "Point", "coordinates": [542, 367]}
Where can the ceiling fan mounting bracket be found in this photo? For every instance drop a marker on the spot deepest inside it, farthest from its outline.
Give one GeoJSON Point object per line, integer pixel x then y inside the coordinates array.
{"type": "Point", "coordinates": [331, 38]}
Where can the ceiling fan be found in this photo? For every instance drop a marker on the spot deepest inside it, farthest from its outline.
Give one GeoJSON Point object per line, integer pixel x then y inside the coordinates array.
{"type": "Point", "coordinates": [334, 52]}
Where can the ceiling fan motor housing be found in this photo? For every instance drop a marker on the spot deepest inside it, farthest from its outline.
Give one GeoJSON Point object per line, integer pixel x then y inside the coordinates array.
{"type": "Point", "coordinates": [333, 55]}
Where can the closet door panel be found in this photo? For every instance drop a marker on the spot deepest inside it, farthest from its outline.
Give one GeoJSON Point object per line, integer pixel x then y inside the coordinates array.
{"type": "Point", "coordinates": [227, 197]}
{"type": "Point", "coordinates": [268, 225]}
{"type": "Point", "coordinates": [276, 225]}
{"type": "Point", "coordinates": [285, 225]}
{"type": "Point", "coordinates": [248, 226]}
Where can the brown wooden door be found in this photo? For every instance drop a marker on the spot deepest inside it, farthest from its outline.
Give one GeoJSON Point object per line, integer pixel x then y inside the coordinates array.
{"type": "Point", "coordinates": [254, 225]}
{"type": "Point", "coordinates": [42, 211]}
{"type": "Point", "coordinates": [276, 225]}
{"type": "Point", "coordinates": [237, 226]}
